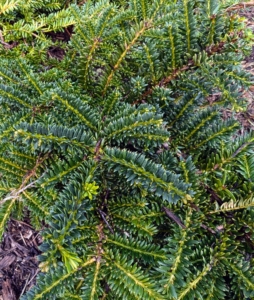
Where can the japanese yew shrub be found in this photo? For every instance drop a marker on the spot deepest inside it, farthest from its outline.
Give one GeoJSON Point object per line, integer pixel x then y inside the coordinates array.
{"type": "Point", "coordinates": [122, 149]}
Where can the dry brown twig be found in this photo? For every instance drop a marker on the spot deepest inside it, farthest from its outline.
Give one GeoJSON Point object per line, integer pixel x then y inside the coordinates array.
{"type": "Point", "coordinates": [240, 6]}
{"type": "Point", "coordinates": [16, 193]}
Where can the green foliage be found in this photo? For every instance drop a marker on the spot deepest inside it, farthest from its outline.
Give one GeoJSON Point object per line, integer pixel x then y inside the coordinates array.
{"type": "Point", "coordinates": [121, 147]}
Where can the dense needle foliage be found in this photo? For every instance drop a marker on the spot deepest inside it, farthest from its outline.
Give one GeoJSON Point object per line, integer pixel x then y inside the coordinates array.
{"type": "Point", "coordinates": [122, 148]}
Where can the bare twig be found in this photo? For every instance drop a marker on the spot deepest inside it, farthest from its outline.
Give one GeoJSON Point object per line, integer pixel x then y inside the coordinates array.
{"type": "Point", "coordinates": [164, 81]}
{"type": "Point", "coordinates": [23, 238]}
{"type": "Point", "coordinates": [15, 194]}
{"type": "Point", "coordinates": [207, 228]}
{"type": "Point", "coordinates": [21, 222]}
{"type": "Point", "coordinates": [173, 217]}
{"type": "Point", "coordinates": [103, 215]}
{"type": "Point", "coordinates": [179, 222]}
{"type": "Point", "coordinates": [240, 6]}
{"type": "Point", "coordinates": [37, 271]}
{"type": "Point", "coordinates": [24, 288]}
{"type": "Point", "coordinates": [240, 148]}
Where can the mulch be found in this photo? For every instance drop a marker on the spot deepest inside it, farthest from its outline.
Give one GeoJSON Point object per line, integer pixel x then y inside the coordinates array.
{"type": "Point", "coordinates": [20, 244]}
{"type": "Point", "coordinates": [247, 118]}
{"type": "Point", "coordinates": [18, 259]}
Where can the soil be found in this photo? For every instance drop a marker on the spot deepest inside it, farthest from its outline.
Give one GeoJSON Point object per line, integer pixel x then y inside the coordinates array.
{"type": "Point", "coordinates": [20, 244]}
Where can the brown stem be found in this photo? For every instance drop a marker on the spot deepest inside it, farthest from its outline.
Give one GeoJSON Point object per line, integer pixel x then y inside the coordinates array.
{"type": "Point", "coordinates": [173, 217]}
{"type": "Point", "coordinates": [240, 5]}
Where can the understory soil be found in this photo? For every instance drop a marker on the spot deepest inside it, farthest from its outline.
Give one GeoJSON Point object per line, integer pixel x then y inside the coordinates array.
{"type": "Point", "coordinates": [20, 245]}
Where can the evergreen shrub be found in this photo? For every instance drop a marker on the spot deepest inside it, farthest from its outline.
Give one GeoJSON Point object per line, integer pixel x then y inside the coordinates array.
{"type": "Point", "coordinates": [127, 149]}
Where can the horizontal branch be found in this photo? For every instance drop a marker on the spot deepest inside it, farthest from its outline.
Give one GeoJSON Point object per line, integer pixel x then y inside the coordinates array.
{"type": "Point", "coordinates": [240, 6]}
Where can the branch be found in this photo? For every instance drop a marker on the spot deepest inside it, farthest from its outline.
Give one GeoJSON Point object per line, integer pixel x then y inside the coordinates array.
{"type": "Point", "coordinates": [15, 194]}
{"type": "Point", "coordinates": [165, 81]}
{"type": "Point", "coordinates": [103, 215]}
{"type": "Point", "coordinates": [173, 217]}
{"type": "Point", "coordinates": [210, 50]}
{"type": "Point", "coordinates": [240, 5]}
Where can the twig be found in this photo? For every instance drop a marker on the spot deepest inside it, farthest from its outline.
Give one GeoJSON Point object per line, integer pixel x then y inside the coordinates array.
{"type": "Point", "coordinates": [173, 217]}
{"type": "Point", "coordinates": [207, 228]}
{"type": "Point", "coordinates": [18, 221]}
{"type": "Point", "coordinates": [6, 45]}
{"type": "Point", "coordinates": [164, 81]}
{"type": "Point", "coordinates": [179, 222]}
{"type": "Point", "coordinates": [35, 237]}
{"type": "Point", "coordinates": [240, 148]}
{"type": "Point", "coordinates": [24, 288]}
{"type": "Point", "coordinates": [37, 271]}
{"type": "Point", "coordinates": [23, 238]}
{"type": "Point", "coordinates": [15, 194]}
{"type": "Point", "coordinates": [240, 5]}
{"type": "Point", "coordinates": [210, 50]}
{"type": "Point", "coordinates": [103, 215]}
{"type": "Point", "coordinates": [214, 195]}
